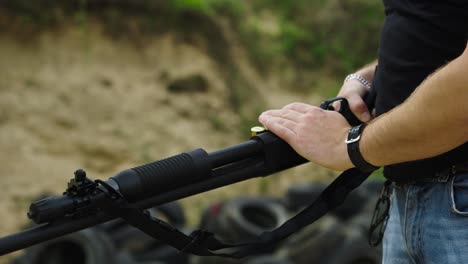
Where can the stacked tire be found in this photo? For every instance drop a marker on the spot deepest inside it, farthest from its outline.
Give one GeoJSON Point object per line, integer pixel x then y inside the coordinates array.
{"type": "Point", "coordinates": [243, 219]}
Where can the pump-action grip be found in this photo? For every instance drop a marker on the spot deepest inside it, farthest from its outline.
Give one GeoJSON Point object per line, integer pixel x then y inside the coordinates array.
{"type": "Point", "coordinates": [156, 177]}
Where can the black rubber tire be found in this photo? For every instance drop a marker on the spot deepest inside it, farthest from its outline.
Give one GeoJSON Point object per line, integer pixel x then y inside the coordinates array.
{"type": "Point", "coordinates": [210, 217]}
{"type": "Point", "coordinates": [352, 206]}
{"type": "Point", "coordinates": [173, 212]}
{"type": "Point", "coordinates": [373, 187]}
{"type": "Point", "coordinates": [301, 195]}
{"type": "Point", "coordinates": [134, 241]}
{"type": "Point", "coordinates": [20, 260]}
{"type": "Point", "coordinates": [245, 218]}
{"type": "Point", "coordinates": [111, 226]}
{"type": "Point", "coordinates": [210, 221]}
{"type": "Point", "coordinates": [213, 260]}
{"type": "Point", "coordinates": [268, 259]}
{"type": "Point", "coordinates": [314, 242]}
{"type": "Point", "coordinates": [355, 250]}
{"type": "Point", "coordinates": [162, 253]}
{"type": "Point", "coordinates": [236, 220]}
{"type": "Point", "coordinates": [125, 258]}
{"type": "Point", "coordinates": [88, 246]}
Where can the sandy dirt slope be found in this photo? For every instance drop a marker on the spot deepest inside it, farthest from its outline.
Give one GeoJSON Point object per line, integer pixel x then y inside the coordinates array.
{"type": "Point", "coordinates": [71, 99]}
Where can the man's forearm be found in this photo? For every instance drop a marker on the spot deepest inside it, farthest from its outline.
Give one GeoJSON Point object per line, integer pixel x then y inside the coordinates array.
{"type": "Point", "coordinates": [432, 121]}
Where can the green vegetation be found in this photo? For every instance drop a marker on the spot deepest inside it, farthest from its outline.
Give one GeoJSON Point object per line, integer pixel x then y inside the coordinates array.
{"type": "Point", "coordinates": [378, 175]}
{"type": "Point", "coordinates": [339, 35]}
{"type": "Point", "coordinates": [207, 7]}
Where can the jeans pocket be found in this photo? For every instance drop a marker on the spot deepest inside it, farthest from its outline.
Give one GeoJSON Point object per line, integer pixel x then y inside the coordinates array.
{"type": "Point", "coordinates": [459, 194]}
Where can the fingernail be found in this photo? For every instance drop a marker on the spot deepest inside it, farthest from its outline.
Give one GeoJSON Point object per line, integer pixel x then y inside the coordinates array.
{"type": "Point", "coordinates": [365, 116]}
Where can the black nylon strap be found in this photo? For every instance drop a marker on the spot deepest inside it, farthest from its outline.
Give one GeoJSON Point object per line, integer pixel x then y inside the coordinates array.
{"type": "Point", "coordinates": [204, 243]}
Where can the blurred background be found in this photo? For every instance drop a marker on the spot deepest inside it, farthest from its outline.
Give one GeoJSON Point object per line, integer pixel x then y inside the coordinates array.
{"type": "Point", "coordinates": [106, 85]}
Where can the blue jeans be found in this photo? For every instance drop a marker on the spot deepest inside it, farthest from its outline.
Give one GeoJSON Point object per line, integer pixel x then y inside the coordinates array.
{"type": "Point", "coordinates": [428, 223]}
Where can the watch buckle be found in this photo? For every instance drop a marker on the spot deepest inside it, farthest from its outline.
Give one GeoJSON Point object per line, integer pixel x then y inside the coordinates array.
{"type": "Point", "coordinates": [352, 140]}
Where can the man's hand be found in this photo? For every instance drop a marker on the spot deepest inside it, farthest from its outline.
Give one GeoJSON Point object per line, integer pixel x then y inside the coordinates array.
{"type": "Point", "coordinates": [316, 134]}
{"type": "Point", "coordinates": [354, 91]}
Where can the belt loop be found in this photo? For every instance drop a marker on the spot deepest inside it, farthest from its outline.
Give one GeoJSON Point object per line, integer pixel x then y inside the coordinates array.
{"type": "Point", "coordinates": [444, 175]}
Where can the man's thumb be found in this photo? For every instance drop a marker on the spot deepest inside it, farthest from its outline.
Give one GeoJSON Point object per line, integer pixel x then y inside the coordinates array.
{"type": "Point", "coordinates": [359, 108]}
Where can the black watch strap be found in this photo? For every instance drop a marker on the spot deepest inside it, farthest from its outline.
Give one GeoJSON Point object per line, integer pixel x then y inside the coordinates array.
{"type": "Point", "coordinates": [354, 136]}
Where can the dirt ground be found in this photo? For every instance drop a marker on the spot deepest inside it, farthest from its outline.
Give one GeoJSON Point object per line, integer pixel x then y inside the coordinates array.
{"type": "Point", "coordinates": [72, 100]}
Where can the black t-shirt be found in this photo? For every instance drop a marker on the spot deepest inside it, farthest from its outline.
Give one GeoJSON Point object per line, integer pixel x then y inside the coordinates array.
{"type": "Point", "coordinates": [418, 37]}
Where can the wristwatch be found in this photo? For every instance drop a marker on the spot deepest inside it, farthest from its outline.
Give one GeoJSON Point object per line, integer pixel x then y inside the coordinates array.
{"type": "Point", "coordinates": [354, 136]}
